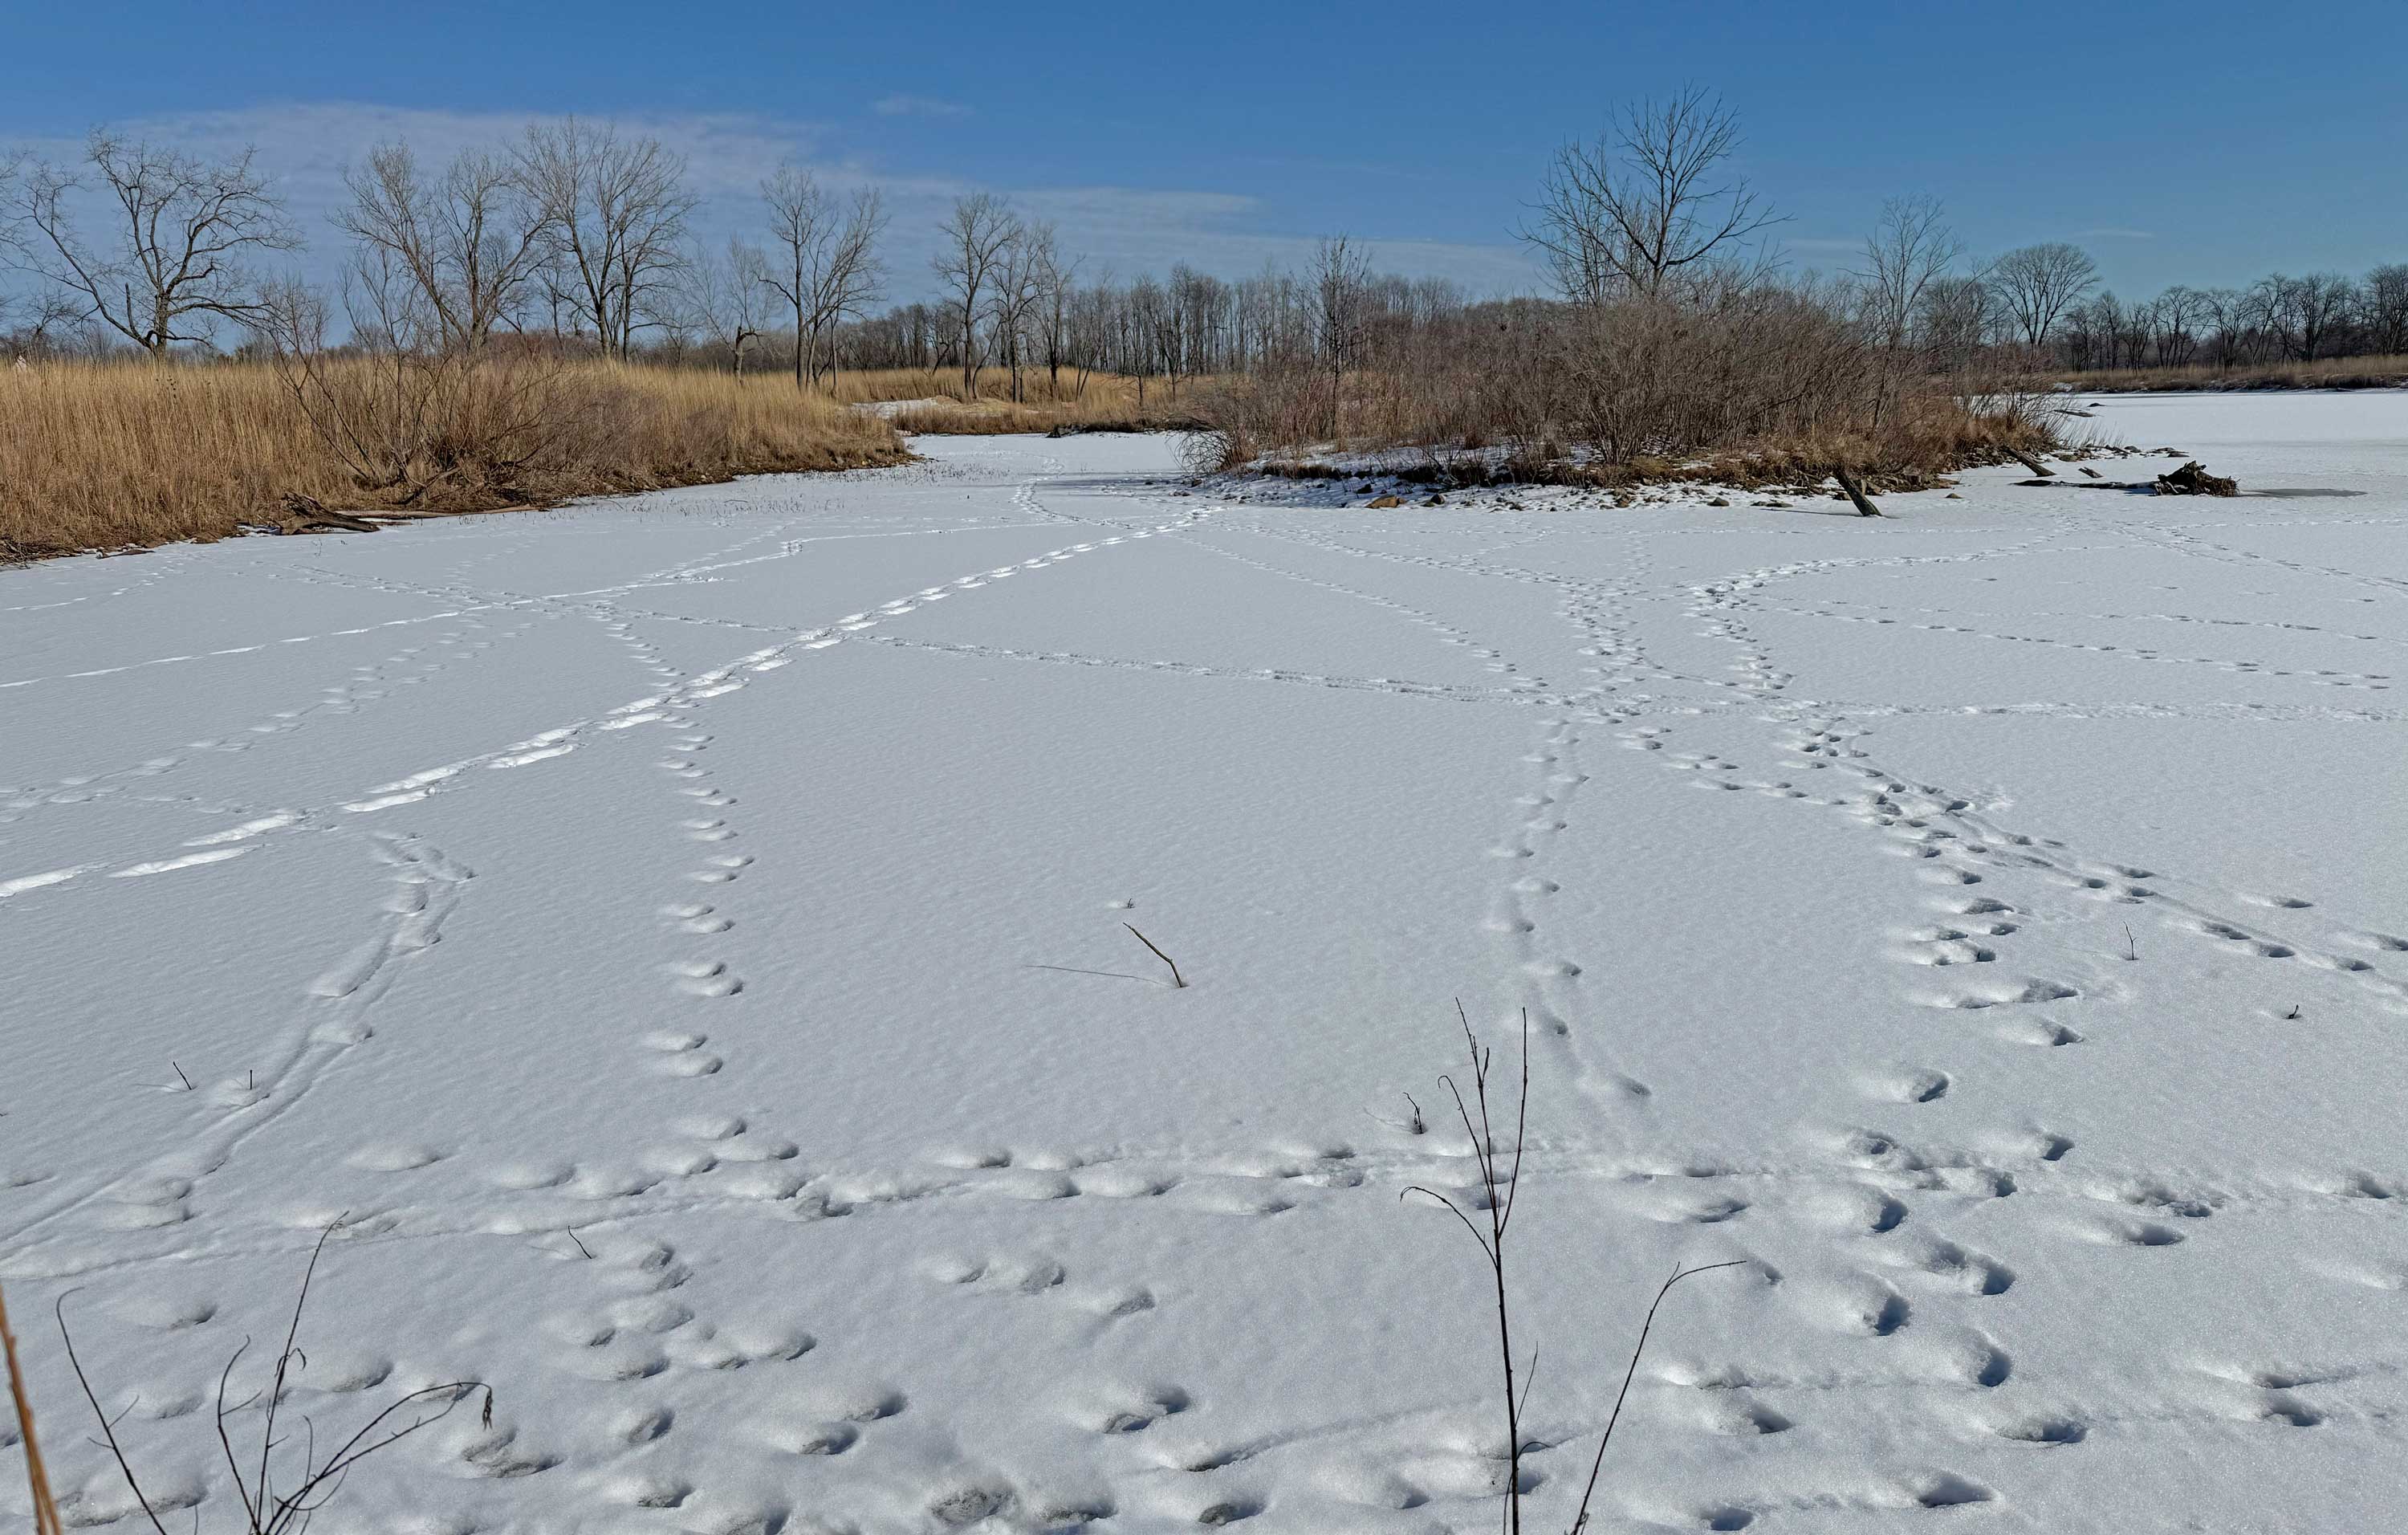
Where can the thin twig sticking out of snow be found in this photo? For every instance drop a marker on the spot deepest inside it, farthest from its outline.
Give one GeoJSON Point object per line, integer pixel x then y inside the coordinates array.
{"type": "Point", "coordinates": [265, 1510]}
{"type": "Point", "coordinates": [1176, 981]}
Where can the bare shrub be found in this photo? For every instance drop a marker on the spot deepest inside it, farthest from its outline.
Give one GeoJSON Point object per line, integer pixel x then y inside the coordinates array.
{"type": "Point", "coordinates": [290, 1480]}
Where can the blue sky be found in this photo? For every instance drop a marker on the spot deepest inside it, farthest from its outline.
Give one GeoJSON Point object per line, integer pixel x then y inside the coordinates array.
{"type": "Point", "coordinates": [2202, 143]}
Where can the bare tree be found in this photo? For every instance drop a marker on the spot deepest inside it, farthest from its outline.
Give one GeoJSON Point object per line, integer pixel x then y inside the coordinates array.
{"type": "Point", "coordinates": [38, 325]}
{"type": "Point", "coordinates": [798, 231]}
{"type": "Point", "coordinates": [850, 274]}
{"type": "Point", "coordinates": [975, 237]}
{"type": "Point", "coordinates": [184, 230]}
{"type": "Point", "coordinates": [2383, 300]}
{"type": "Point", "coordinates": [825, 267]}
{"type": "Point", "coordinates": [2227, 312]}
{"type": "Point", "coordinates": [2311, 309]}
{"type": "Point", "coordinates": [471, 240]}
{"type": "Point", "coordinates": [1020, 285]}
{"type": "Point", "coordinates": [1955, 319]}
{"type": "Point", "coordinates": [1909, 249]}
{"type": "Point", "coordinates": [1337, 279]}
{"type": "Point", "coordinates": [725, 298]}
{"type": "Point", "coordinates": [2035, 284]}
{"type": "Point", "coordinates": [1057, 285]}
{"type": "Point", "coordinates": [1647, 200]}
{"type": "Point", "coordinates": [2179, 311]}
{"type": "Point", "coordinates": [612, 214]}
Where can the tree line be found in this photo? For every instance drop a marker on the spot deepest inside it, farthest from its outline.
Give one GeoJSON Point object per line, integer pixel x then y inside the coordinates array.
{"type": "Point", "coordinates": [582, 236]}
{"type": "Point", "coordinates": [579, 234]}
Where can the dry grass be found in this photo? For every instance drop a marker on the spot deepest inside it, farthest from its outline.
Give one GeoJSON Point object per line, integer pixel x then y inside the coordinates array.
{"type": "Point", "coordinates": [128, 454]}
{"type": "Point", "coordinates": [1109, 391]}
{"type": "Point", "coordinates": [2331, 373]}
{"type": "Point", "coordinates": [931, 401]}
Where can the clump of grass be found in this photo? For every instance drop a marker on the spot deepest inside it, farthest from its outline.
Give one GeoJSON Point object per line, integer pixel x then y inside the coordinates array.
{"type": "Point", "coordinates": [121, 454]}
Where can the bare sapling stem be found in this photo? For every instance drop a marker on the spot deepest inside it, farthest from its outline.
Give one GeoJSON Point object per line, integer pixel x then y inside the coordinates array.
{"type": "Point", "coordinates": [1499, 1188]}
{"type": "Point", "coordinates": [2131, 949]}
{"type": "Point", "coordinates": [38, 1477]}
{"type": "Point", "coordinates": [1580, 1521]}
{"type": "Point", "coordinates": [1177, 982]}
{"type": "Point", "coordinates": [181, 1077]}
{"type": "Point", "coordinates": [1500, 1185]}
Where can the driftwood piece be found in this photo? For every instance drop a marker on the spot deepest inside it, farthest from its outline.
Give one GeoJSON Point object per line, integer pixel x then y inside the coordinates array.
{"type": "Point", "coordinates": [2034, 465]}
{"type": "Point", "coordinates": [307, 514]}
{"type": "Point", "coordinates": [2192, 478]}
{"type": "Point", "coordinates": [1856, 493]}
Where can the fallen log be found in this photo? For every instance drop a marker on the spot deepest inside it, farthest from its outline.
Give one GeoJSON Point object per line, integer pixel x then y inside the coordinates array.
{"type": "Point", "coordinates": [2034, 465]}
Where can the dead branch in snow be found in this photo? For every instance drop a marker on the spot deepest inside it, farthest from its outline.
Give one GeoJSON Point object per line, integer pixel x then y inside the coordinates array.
{"type": "Point", "coordinates": [1177, 982]}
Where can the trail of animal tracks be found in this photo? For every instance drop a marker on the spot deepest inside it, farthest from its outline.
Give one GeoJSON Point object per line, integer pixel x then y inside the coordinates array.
{"type": "Point", "coordinates": [680, 942]}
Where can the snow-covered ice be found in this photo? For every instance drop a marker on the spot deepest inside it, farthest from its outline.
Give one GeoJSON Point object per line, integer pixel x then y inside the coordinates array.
{"type": "Point", "coordinates": [680, 943]}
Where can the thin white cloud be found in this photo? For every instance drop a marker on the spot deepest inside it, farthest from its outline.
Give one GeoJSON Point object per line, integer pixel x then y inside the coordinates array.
{"type": "Point", "coordinates": [908, 106]}
{"type": "Point", "coordinates": [1127, 230]}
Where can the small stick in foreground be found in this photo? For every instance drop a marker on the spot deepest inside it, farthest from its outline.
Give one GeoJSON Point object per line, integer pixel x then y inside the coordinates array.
{"type": "Point", "coordinates": [46, 1512]}
{"type": "Point", "coordinates": [181, 1077]}
{"type": "Point", "coordinates": [2131, 949]}
{"type": "Point", "coordinates": [1176, 981]}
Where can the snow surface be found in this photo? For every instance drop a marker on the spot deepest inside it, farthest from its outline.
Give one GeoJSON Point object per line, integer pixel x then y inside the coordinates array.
{"type": "Point", "coordinates": [728, 884]}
